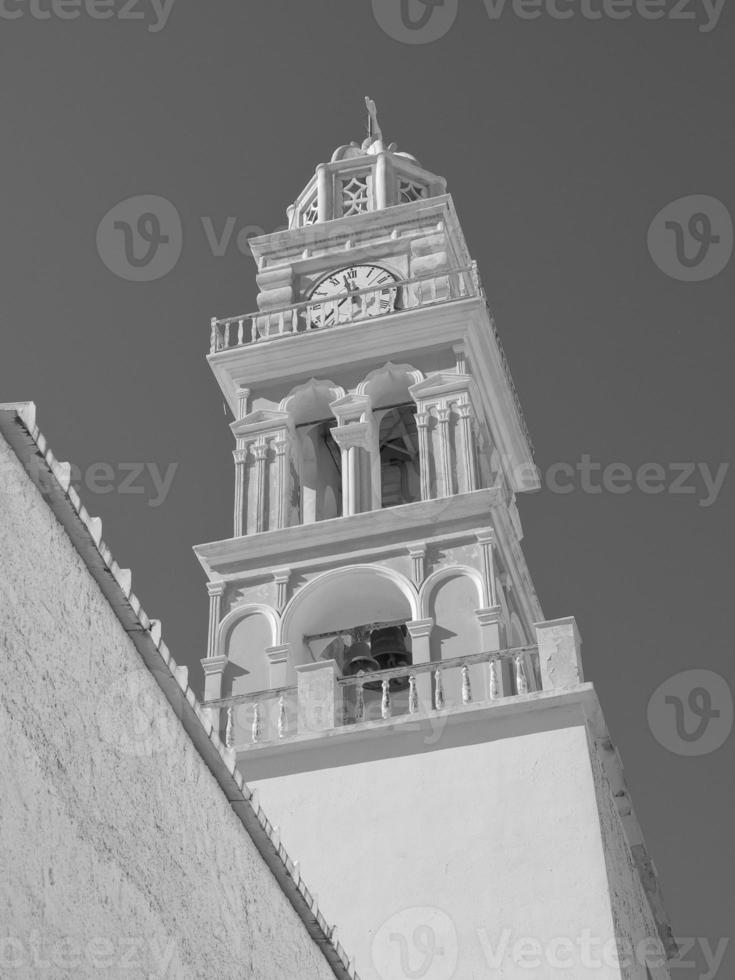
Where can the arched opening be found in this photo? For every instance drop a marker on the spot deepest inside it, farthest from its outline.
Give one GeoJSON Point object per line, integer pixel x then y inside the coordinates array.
{"type": "Point", "coordinates": [321, 472]}
{"type": "Point", "coordinates": [394, 414]}
{"type": "Point", "coordinates": [319, 458]}
{"type": "Point", "coordinates": [400, 477]}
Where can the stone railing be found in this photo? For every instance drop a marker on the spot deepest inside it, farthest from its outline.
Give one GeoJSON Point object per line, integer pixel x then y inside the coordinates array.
{"type": "Point", "coordinates": [346, 307]}
{"type": "Point", "coordinates": [323, 700]}
{"type": "Point", "coordinates": [440, 685]}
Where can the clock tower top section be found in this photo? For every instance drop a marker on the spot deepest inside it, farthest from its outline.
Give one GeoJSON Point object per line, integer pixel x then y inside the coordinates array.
{"type": "Point", "coordinates": [363, 177]}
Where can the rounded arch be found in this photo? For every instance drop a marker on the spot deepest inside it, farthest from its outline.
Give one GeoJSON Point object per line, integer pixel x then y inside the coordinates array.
{"type": "Point", "coordinates": [310, 401]}
{"type": "Point", "coordinates": [390, 384]}
{"type": "Point", "coordinates": [343, 598]}
{"type": "Point", "coordinates": [233, 617]}
{"type": "Point", "coordinates": [441, 575]}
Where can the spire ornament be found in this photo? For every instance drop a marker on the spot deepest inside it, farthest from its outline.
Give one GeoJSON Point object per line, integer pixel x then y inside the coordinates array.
{"type": "Point", "coordinates": [375, 133]}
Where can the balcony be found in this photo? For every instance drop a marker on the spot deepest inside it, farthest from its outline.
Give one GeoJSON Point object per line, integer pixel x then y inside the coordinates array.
{"type": "Point", "coordinates": [325, 701]}
{"type": "Point", "coordinates": [344, 308]}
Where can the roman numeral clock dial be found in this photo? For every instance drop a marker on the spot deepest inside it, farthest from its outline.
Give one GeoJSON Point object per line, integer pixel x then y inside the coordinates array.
{"type": "Point", "coordinates": [353, 293]}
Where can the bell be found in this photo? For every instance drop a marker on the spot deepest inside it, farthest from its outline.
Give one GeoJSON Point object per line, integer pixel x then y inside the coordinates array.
{"type": "Point", "coordinates": [388, 648]}
{"type": "Point", "coordinates": [358, 658]}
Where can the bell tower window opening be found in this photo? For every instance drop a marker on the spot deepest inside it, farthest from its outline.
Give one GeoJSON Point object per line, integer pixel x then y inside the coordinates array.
{"type": "Point", "coordinates": [410, 191]}
{"type": "Point", "coordinates": [311, 213]}
{"type": "Point", "coordinates": [400, 477]}
{"type": "Point", "coordinates": [321, 472]}
{"type": "Point", "coordinates": [355, 195]}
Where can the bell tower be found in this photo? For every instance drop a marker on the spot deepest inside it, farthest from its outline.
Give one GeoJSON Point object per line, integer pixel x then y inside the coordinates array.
{"type": "Point", "coordinates": [377, 656]}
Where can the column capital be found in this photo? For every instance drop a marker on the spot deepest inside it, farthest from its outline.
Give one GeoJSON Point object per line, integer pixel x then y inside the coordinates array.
{"type": "Point", "coordinates": [216, 589]}
{"type": "Point", "coordinates": [489, 615]}
{"type": "Point", "coordinates": [213, 665]}
{"type": "Point", "coordinates": [355, 434]}
{"type": "Point", "coordinates": [486, 537]}
{"type": "Point", "coordinates": [278, 654]}
{"type": "Point", "coordinates": [420, 627]}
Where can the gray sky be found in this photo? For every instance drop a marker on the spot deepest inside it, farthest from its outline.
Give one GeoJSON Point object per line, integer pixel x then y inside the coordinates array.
{"type": "Point", "coordinates": [561, 141]}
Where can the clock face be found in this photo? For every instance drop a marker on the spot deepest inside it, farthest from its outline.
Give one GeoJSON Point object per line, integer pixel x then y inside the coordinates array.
{"type": "Point", "coordinates": [353, 293]}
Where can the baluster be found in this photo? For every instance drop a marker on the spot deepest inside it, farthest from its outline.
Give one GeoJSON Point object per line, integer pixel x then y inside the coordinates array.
{"type": "Point", "coordinates": [308, 311]}
{"type": "Point", "coordinates": [253, 329]}
{"type": "Point", "coordinates": [335, 311]}
{"type": "Point", "coordinates": [229, 729]}
{"type": "Point", "coordinates": [282, 718]}
{"type": "Point", "coordinates": [432, 290]}
{"type": "Point", "coordinates": [281, 323]}
{"type": "Point", "coordinates": [256, 723]}
{"type": "Point", "coordinates": [413, 696]}
{"type": "Point", "coordinates": [364, 299]}
{"type": "Point", "coordinates": [385, 707]}
{"type": "Point", "coordinates": [466, 689]}
{"type": "Point", "coordinates": [521, 679]}
{"type": "Point", "coordinates": [495, 688]}
{"type": "Point", "coordinates": [213, 336]}
{"type": "Point", "coordinates": [438, 690]}
{"type": "Point", "coordinates": [240, 329]}
{"type": "Point", "coordinates": [359, 700]}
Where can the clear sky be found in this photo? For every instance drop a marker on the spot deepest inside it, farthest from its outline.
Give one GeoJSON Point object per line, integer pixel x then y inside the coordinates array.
{"type": "Point", "coordinates": [561, 140]}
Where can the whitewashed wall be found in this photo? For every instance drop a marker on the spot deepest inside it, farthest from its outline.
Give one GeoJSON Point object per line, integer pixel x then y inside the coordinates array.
{"type": "Point", "coordinates": [120, 855]}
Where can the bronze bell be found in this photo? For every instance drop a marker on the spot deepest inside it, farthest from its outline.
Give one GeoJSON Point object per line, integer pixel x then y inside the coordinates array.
{"type": "Point", "coordinates": [358, 658]}
{"type": "Point", "coordinates": [388, 648]}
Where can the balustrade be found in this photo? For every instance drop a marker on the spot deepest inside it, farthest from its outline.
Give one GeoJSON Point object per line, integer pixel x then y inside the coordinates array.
{"type": "Point", "coordinates": [342, 308]}
{"type": "Point", "coordinates": [270, 716]}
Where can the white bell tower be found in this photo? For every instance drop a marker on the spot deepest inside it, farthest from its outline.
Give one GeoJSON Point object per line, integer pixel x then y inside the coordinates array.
{"type": "Point", "coordinates": [377, 656]}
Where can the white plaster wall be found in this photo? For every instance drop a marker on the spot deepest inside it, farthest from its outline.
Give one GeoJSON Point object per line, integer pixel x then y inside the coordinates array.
{"type": "Point", "coordinates": [487, 844]}
{"type": "Point", "coordinates": [120, 855]}
{"type": "Point", "coordinates": [634, 923]}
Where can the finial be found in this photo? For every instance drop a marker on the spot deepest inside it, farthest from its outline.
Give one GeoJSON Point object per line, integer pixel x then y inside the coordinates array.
{"type": "Point", "coordinates": [374, 130]}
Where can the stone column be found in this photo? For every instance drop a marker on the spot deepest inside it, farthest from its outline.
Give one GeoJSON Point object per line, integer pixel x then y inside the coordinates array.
{"type": "Point", "coordinates": [260, 452]}
{"type": "Point", "coordinates": [445, 453]}
{"type": "Point", "coordinates": [383, 182]}
{"type": "Point", "coordinates": [325, 195]}
{"type": "Point", "coordinates": [354, 440]}
{"type": "Point", "coordinates": [422, 424]}
{"type": "Point", "coordinates": [215, 591]}
{"type": "Point", "coordinates": [469, 482]}
{"type": "Point", "coordinates": [240, 456]}
{"type": "Point", "coordinates": [280, 446]}
{"type": "Point", "coordinates": [486, 540]}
